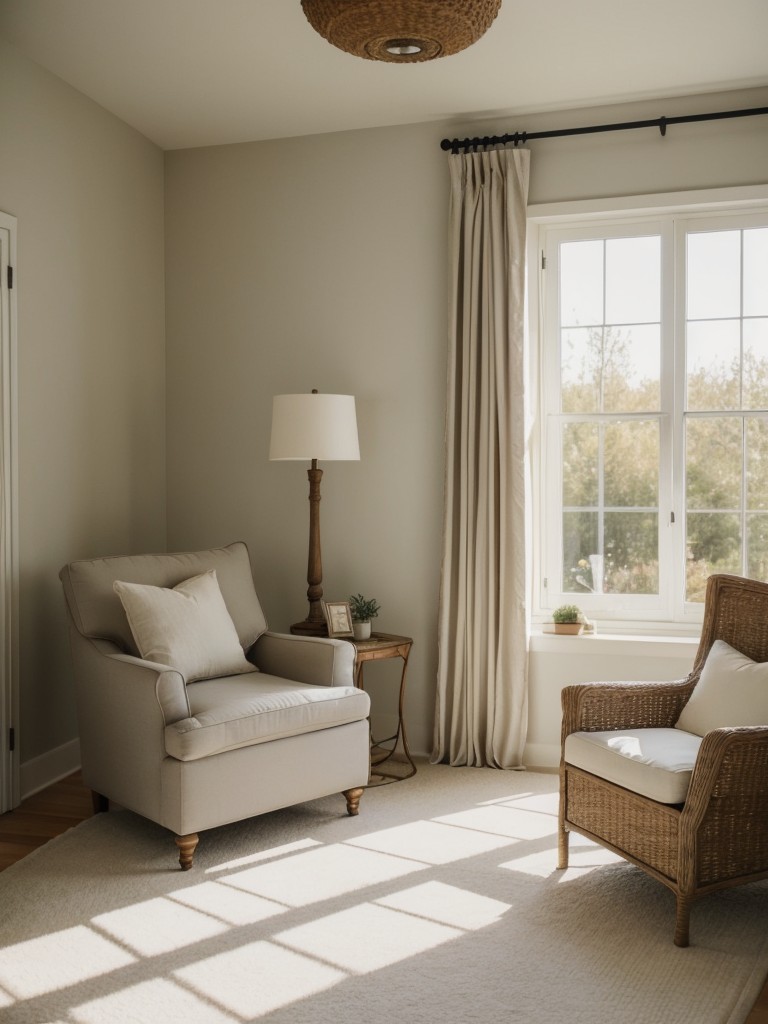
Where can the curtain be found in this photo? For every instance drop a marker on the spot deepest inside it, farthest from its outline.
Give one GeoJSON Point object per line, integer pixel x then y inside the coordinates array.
{"type": "Point", "coordinates": [482, 702]}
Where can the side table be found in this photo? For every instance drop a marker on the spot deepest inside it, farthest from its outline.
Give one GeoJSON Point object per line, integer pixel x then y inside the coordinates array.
{"type": "Point", "coordinates": [377, 648]}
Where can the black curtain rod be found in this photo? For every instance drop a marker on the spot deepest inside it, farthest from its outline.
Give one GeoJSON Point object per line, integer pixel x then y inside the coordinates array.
{"type": "Point", "coordinates": [454, 145]}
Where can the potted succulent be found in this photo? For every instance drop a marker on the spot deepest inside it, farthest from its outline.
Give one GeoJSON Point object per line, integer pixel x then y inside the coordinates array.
{"type": "Point", "coordinates": [567, 619]}
{"type": "Point", "coordinates": [363, 610]}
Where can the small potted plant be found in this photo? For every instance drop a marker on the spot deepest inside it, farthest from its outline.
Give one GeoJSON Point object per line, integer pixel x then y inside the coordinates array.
{"type": "Point", "coordinates": [567, 619]}
{"type": "Point", "coordinates": [363, 610]}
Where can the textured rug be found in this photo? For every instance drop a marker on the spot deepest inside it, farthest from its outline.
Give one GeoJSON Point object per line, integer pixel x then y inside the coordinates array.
{"type": "Point", "coordinates": [439, 904]}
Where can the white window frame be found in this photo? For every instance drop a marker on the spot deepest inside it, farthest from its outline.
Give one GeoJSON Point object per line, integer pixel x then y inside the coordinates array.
{"type": "Point", "coordinates": [668, 613]}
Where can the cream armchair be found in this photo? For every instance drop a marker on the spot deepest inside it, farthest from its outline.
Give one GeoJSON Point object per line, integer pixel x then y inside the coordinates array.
{"type": "Point", "coordinates": [286, 726]}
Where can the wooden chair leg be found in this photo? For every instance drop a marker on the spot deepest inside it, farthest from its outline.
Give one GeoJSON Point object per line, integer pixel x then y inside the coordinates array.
{"type": "Point", "coordinates": [353, 800]}
{"type": "Point", "coordinates": [187, 846]}
{"type": "Point", "coordinates": [562, 847]}
{"type": "Point", "coordinates": [682, 919]}
{"type": "Point", "coordinates": [100, 802]}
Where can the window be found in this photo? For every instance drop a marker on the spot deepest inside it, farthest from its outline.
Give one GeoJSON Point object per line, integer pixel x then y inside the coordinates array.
{"type": "Point", "coordinates": [654, 411]}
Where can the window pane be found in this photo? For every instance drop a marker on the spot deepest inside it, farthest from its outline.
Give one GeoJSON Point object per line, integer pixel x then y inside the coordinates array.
{"type": "Point", "coordinates": [580, 384]}
{"type": "Point", "coordinates": [714, 274]}
{"type": "Point", "coordinates": [580, 464]}
{"type": "Point", "coordinates": [713, 463]}
{"type": "Point", "coordinates": [757, 546]}
{"type": "Point", "coordinates": [756, 363]}
{"type": "Point", "coordinates": [757, 464]}
{"type": "Point", "coordinates": [631, 553]}
{"type": "Point", "coordinates": [615, 369]}
{"type": "Point", "coordinates": [713, 364]}
{"type": "Point", "coordinates": [633, 280]}
{"type": "Point", "coordinates": [579, 541]}
{"type": "Point", "coordinates": [713, 545]}
{"type": "Point", "coordinates": [756, 272]}
{"type": "Point", "coordinates": [581, 283]}
{"type": "Point", "coordinates": [632, 464]}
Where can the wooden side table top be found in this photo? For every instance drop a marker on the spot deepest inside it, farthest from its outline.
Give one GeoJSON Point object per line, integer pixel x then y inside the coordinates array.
{"type": "Point", "coordinates": [382, 645]}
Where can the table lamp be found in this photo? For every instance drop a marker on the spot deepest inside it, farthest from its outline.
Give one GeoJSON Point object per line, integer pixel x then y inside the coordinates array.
{"type": "Point", "coordinates": [314, 428]}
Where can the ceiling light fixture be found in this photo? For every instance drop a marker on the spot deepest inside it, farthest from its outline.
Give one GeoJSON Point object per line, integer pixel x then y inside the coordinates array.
{"type": "Point", "coordinates": [401, 31]}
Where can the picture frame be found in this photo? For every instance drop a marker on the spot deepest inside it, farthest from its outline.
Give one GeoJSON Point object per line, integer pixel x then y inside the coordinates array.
{"type": "Point", "coordinates": [338, 617]}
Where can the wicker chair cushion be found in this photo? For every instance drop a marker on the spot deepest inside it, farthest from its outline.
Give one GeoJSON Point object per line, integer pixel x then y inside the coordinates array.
{"type": "Point", "coordinates": [656, 763]}
{"type": "Point", "coordinates": [732, 691]}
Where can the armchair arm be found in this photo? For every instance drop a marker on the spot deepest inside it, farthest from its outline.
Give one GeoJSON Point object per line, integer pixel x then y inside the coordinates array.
{"type": "Point", "coordinates": [592, 707]}
{"type": "Point", "coordinates": [123, 707]}
{"type": "Point", "coordinates": [732, 762]}
{"type": "Point", "coordinates": [169, 688]}
{"type": "Point", "coordinates": [724, 823]}
{"type": "Point", "coordinates": [306, 659]}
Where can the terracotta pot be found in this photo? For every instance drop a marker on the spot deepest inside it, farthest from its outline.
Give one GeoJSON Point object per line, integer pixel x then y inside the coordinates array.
{"type": "Point", "coordinates": [573, 628]}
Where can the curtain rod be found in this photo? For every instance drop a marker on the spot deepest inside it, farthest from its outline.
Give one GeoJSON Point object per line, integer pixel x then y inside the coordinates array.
{"type": "Point", "coordinates": [454, 145]}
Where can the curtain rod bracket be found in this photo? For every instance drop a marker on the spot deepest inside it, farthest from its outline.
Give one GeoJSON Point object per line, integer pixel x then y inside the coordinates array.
{"type": "Point", "coordinates": [663, 126]}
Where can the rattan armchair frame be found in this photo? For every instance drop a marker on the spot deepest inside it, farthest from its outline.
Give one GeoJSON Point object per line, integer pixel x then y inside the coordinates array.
{"type": "Point", "coordinates": [719, 837]}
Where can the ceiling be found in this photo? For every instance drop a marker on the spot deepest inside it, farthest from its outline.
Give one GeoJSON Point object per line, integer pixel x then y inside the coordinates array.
{"type": "Point", "coordinates": [207, 72]}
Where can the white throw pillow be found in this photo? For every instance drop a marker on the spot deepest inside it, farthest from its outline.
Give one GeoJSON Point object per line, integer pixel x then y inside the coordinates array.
{"type": "Point", "coordinates": [732, 690]}
{"type": "Point", "coordinates": [187, 628]}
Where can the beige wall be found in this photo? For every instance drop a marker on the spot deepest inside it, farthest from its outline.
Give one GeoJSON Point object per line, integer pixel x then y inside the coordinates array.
{"type": "Point", "coordinates": [88, 194]}
{"type": "Point", "coordinates": [321, 262]}
{"type": "Point", "coordinates": [313, 263]}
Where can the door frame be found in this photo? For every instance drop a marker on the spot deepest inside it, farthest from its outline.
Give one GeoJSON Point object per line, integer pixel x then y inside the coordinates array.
{"type": "Point", "coordinates": [9, 523]}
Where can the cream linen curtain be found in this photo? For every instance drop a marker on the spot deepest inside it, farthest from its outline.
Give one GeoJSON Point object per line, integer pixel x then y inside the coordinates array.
{"type": "Point", "coordinates": [481, 712]}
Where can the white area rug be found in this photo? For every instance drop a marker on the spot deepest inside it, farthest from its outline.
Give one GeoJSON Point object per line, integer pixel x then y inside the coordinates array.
{"type": "Point", "coordinates": [439, 904]}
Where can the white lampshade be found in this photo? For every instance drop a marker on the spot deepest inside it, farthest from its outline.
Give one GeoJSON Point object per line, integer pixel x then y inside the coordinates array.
{"type": "Point", "coordinates": [306, 427]}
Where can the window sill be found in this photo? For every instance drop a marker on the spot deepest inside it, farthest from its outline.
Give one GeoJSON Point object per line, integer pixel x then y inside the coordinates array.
{"type": "Point", "coordinates": [613, 643]}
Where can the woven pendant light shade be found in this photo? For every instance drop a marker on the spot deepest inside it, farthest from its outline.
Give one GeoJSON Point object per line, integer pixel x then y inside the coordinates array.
{"type": "Point", "coordinates": [401, 31]}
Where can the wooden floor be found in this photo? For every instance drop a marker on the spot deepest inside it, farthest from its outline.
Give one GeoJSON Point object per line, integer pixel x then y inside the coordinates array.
{"type": "Point", "coordinates": [66, 803]}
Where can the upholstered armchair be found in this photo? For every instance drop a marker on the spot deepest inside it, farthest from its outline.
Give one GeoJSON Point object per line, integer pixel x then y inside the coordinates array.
{"type": "Point", "coordinates": [191, 712]}
{"type": "Point", "coordinates": [674, 776]}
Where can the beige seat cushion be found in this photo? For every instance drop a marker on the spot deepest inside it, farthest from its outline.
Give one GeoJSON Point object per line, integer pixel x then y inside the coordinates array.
{"type": "Point", "coordinates": [656, 763]}
{"type": "Point", "coordinates": [732, 691]}
{"type": "Point", "coordinates": [186, 627]}
{"type": "Point", "coordinates": [240, 711]}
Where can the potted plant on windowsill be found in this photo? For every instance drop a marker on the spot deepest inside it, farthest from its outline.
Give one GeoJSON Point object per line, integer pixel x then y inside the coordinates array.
{"type": "Point", "coordinates": [363, 610]}
{"type": "Point", "coordinates": [567, 619]}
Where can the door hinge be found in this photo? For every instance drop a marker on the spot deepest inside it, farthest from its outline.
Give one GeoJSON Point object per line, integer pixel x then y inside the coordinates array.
{"type": "Point", "coordinates": [543, 262]}
{"type": "Point", "coordinates": [11, 739]}
{"type": "Point", "coordinates": [9, 276]}
{"type": "Point", "coordinates": [671, 517]}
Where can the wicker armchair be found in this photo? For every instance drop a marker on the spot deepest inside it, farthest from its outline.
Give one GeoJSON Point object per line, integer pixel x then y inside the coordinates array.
{"type": "Point", "coordinates": [719, 836]}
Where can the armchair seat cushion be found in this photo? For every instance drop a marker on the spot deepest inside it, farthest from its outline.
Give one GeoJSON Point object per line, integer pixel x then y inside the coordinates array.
{"type": "Point", "coordinates": [656, 763]}
{"type": "Point", "coordinates": [242, 710]}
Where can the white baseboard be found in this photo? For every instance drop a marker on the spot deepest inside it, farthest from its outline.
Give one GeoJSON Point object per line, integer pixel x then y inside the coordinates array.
{"type": "Point", "coordinates": [48, 768]}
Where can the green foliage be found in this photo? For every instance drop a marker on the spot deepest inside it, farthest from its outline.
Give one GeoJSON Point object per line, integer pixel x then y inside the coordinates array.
{"type": "Point", "coordinates": [363, 610]}
{"type": "Point", "coordinates": [566, 613]}
{"type": "Point", "coordinates": [616, 463]}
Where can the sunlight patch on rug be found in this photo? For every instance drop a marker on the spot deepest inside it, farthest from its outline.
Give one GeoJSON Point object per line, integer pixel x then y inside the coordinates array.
{"type": "Point", "coordinates": [270, 854]}
{"type": "Point", "coordinates": [254, 979]}
{"type": "Point", "coordinates": [228, 904]}
{"type": "Point", "coordinates": [157, 926]}
{"type": "Point", "coordinates": [367, 937]}
{"type": "Point", "coordinates": [167, 1001]}
{"type": "Point", "coordinates": [447, 904]}
{"type": "Point", "coordinates": [583, 858]}
{"type": "Point", "coordinates": [504, 820]}
{"type": "Point", "coordinates": [320, 874]}
{"type": "Point", "coordinates": [431, 842]}
{"type": "Point", "coordinates": [70, 956]}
